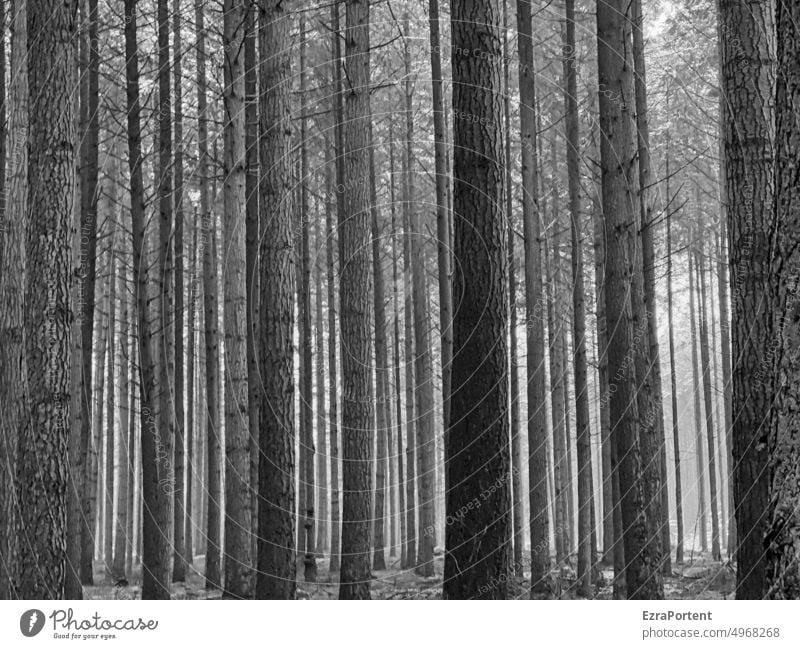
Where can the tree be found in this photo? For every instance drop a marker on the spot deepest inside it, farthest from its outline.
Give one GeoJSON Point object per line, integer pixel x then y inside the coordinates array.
{"type": "Point", "coordinates": [478, 454]}
{"type": "Point", "coordinates": [781, 568]}
{"type": "Point", "coordinates": [276, 569]}
{"type": "Point", "coordinates": [12, 264]}
{"type": "Point", "coordinates": [355, 287]}
{"type": "Point", "coordinates": [747, 63]}
{"type": "Point", "coordinates": [179, 518]}
{"type": "Point", "coordinates": [41, 488]}
{"type": "Point", "coordinates": [238, 565]}
{"type": "Point", "coordinates": [623, 263]}
{"type": "Point", "coordinates": [583, 440]}
{"type": "Point", "coordinates": [534, 318]}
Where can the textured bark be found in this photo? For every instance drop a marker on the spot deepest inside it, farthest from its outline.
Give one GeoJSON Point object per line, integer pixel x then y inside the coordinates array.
{"type": "Point", "coordinates": [179, 523]}
{"type": "Point", "coordinates": [41, 487]}
{"type": "Point", "coordinates": [747, 62]}
{"type": "Point", "coordinates": [13, 378]}
{"type": "Point", "coordinates": [476, 565]}
{"type": "Point", "coordinates": [782, 540]}
{"type": "Point", "coordinates": [673, 378]}
{"type": "Point", "coordinates": [706, 377]}
{"type": "Point", "coordinates": [355, 287]}
{"type": "Point", "coordinates": [383, 400]}
{"type": "Point", "coordinates": [276, 568]}
{"type": "Point", "coordinates": [624, 298]}
{"type": "Point", "coordinates": [321, 443]}
{"type": "Point", "coordinates": [659, 497]}
{"type": "Point", "coordinates": [192, 401]}
{"type": "Point", "coordinates": [583, 436]}
{"type": "Point", "coordinates": [238, 562]}
{"type": "Point", "coordinates": [534, 316]}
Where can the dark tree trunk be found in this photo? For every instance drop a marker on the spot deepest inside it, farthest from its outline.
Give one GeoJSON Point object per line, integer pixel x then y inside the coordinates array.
{"type": "Point", "coordinates": [624, 301]}
{"type": "Point", "coordinates": [355, 286]}
{"type": "Point", "coordinates": [476, 565]}
{"type": "Point", "coordinates": [276, 568]}
{"type": "Point", "coordinates": [747, 61]}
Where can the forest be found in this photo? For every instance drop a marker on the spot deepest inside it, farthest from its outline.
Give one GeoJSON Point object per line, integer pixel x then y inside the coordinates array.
{"type": "Point", "coordinates": [394, 299]}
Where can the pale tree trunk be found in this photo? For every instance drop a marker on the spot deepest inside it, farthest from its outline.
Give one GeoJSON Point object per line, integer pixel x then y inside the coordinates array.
{"type": "Point", "coordinates": [12, 264]}
{"type": "Point", "coordinates": [534, 316]}
{"type": "Point", "coordinates": [179, 523]}
{"type": "Point", "coordinates": [238, 562]}
{"type": "Point", "coordinates": [583, 439]}
{"type": "Point", "coordinates": [706, 369]}
{"type": "Point", "coordinates": [409, 191]}
{"type": "Point", "coordinates": [211, 316]}
{"type": "Point", "coordinates": [442, 215]}
{"type": "Point", "coordinates": [698, 433]}
{"type": "Point", "coordinates": [130, 454]}
{"type": "Point", "coordinates": [382, 406]}
{"type": "Point", "coordinates": [476, 565]}
{"type": "Point", "coordinates": [275, 577]}
{"type": "Point", "coordinates": [95, 474]}
{"type": "Point", "coordinates": [624, 298]}
{"type": "Point", "coordinates": [518, 503]}
{"type": "Point", "coordinates": [125, 365]}
{"type": "Point", "coordinates": [46, 315]}
{"type": "Point", "coordinates": [192, 400]}
{"type": "Point", "coordinates": [748, 72]}
{"type": "Point", "coordinates": [673, 377]}
{"type": "Point", "coordinates": [356, 292]}
{"type": "Point", "coordinates": [110, 404]}
{"type": "Point", "coordinates": [321, 444]}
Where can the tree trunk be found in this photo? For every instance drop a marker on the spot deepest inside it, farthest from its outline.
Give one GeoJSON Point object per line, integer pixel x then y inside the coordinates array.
{"type": "Point", "coordinates": [13, 380]}
{"type": "Point", "coordinates": [211, 315]}
{"type": "Point", "coordinates": [698, 434]}
{"type": "Point", "coordinates": [178, 533]}
{"type": "Point", "coordinates": [624, 301]}
{"type": "Point", "coordinates": [355, 287]}
{"type": "Point", "coordinates": [783, 526]}
{"type": "Point", "coordinates": [657, 465]}
{"type": "Point", "coordinates": [518, 504]}
{"type": "Point", "coordinates": [676, 439]}
{"type": "Point", "coordinates": [748, 67]}
{"type": "Point", "coordinates": [120, 539]}
{"type": "Point", "coordinates": [534, 316]}
{"type": "Point", "coordinates": [47, 313]}
{"type": "Point", "coordinates": [192, 400]}
{"type": "Point", "coordinates": [238, 563]}
{"type": "Point", "coordinates": [706, 368]}
{"type": "Point", "coordinates": [476, 565]}
{"type": "Point", "coordinates": [276, 568]}
{"type": "Point", "coordinates": [321, 444]}
{"type": "Point", "coordinates": [110, 405]}
{"type": "Point", "coordinates": [583, 438]}
{"type": "Point", "coordinates": [382, 405]}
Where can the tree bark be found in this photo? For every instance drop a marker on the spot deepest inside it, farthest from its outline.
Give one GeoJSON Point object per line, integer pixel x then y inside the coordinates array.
{"type": "Point", "coordinates": [534, 311]}
{"type": "Point", "coordinates": [355, 286]}
{"type": "Point", "coordinates": [476, 564]}
{"type": "Point", "coordinates": [624, 301]}
{"type": "Point", "coordinates": [276, 568]}
{"type": "Point", "coordinates": [238, 562]}
{"type": "Point", "coordinates": [747, 61]}
{"type": "Point", "coordinates": [13, 379]}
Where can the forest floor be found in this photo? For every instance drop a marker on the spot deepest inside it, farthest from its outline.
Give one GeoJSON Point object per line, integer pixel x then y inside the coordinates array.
{"type": "Point", "coordinates": [699, 577]}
